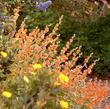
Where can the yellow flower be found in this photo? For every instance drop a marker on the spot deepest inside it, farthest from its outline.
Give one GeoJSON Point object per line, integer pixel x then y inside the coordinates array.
{"type": "Point", "coordinates": [4, 54]}
{"type": "Point", "coordinates": [26, 79]}
{"type": "Point", "coordinates": [63, 78]}
{"type": "Point", "coordinates": [64, 104]}
{"type": "Point", "coordinates": [37, 66]}
{"type": "Point", "coordinates": [7, 94]}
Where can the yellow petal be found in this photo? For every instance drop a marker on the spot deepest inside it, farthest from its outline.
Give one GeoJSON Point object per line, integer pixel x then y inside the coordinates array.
{"type": "Point", "coordinates": [26, 79]}
{"type": "Point", "coordinates": [63, 78]}
{"type": "Point", "coordinates": [7, 94]}
{"type": "Point", "coordinates": [37, 66]}
{"type": "Point", "coordinates": [57, 84]}
{"type": "Point", "coordinates": [33, 73]}
{"type": "Point", "coordinates": [4, 54]}
{"type": "Point", "coordinates": [64, 104]}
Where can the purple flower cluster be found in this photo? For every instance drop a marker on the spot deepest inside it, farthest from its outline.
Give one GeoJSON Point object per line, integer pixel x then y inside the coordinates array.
{"type": "Point", "coordinates": [42, 6]}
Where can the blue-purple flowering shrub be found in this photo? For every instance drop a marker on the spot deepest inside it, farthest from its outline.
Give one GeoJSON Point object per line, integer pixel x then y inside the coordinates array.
{"type": "Point", "coordinates": [42, 6]}
{"type": "Point", "coordinates": [31, 11]}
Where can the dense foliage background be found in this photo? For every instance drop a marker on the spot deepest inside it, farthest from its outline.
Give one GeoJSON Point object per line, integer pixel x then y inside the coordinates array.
{"type": "Point", "coordinates": [88, 19]}
{"type": "Point", "coordinates": [46, 63]}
